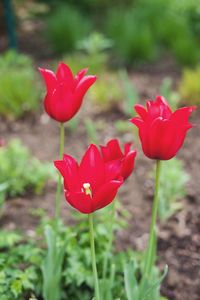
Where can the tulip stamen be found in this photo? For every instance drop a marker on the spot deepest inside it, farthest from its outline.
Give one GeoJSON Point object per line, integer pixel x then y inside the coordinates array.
{"type": "Point", "coordinates": [87, 189]}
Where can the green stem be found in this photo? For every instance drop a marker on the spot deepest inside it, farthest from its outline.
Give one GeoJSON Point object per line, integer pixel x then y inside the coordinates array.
{"type": "Point", "coordinates": [94, 266]}
{"type": "Point", "coordinates": [59, 184]}
{"type": "Point", "coordinates": [110, 241]}
{"type": "Point", "coordinates": [152, 237]}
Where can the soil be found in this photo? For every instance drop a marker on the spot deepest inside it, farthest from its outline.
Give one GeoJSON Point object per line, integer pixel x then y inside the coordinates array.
{"type": "Point", "coordinates": [179, 239]}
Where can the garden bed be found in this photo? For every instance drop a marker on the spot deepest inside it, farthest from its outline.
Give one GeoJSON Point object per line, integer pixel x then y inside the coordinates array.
{"type": "Point", "coordinates": [179, 241]}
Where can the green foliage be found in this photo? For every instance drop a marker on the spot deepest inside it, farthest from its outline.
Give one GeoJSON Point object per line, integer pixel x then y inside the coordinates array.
{"type": "Point", "coordinates": [52, 265]}
{"type": "Point", "coordinates": [172, 188]}
{"type": "Point", "coordinates": [20, 172]}
{"type": "Point", "coordinates": [131, 95]}
{"type": "Point", "coordinates": [166, 90]}
{"type": "Point", "coordinates": [20, 263]}
{"type": "Point", "coordinates": [137, 285]}
{"type": "Point", "coordinates": [19, 267]}
{"type": "Point", "coordinates": [94, 44]}
{"type": "Point", "coordinates": [65, 27]}
{"type": "Point", "coordinates": [140, 34]}
{"type": "Point", "coordinates": [18, 92]}
{"type": "Point", "coordinates": [92, 53]}
{"type": "Point", "coordinates": [189, 86]}
{"type": "Point", "coordinates": [95, 47]}
{"type": "Point", "coordinates": [133, 39]}
{"type": "Point", "coordinates": [124, 126]}
{"type": "Point", "coordinates": [91, 130]}
{"type": "Point", "coordinates": [107, 92]}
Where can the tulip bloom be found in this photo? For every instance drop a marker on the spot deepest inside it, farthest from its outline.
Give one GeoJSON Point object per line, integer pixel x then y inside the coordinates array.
{"type": "Point", "coordinates": [161, 131]}
{"type": "Point", "coordinates": [90, 185]}
{"type": "Point", "coordinates": [64, 91]}
{"type": "Point", "coordinates": [116, 159]}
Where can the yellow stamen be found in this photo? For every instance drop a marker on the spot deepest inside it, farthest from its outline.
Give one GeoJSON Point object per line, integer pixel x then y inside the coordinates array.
{"type": "Point", "coordinates": [87, 189]}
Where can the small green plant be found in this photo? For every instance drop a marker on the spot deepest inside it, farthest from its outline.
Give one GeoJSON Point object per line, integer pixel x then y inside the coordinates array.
{"type": "Point", "coordinates": [130, 93]}
{"type": "Point", "coordinates": [107, 92]}
{"type": "Point", "coordinates": [172, 96]}
{"type": "Point", "coordinates": [91, 131]}
{"type": "Point", "coordinates": [19, 267]}
{"type": "Point", "coordinates": [52, 265]}
{"type": "Point", "coordinates": [189, 86]}
{"type": "Point", "coordinates": [95, 48]}
{"type": "Point", "coordinates": [135, 289]}
{"type": "Point", "coordinates": [172, 188]}
{"type": "Point", "coordinates": [17, 90]}
{"type": "Point", "coordinates": [65, 27]}
{"type": "Point", "coordinates": [20, 172]}
{"type": "Point", "coordinates": [92, 52]}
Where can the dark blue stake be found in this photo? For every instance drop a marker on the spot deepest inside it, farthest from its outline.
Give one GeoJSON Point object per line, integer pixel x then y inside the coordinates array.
{"type": "Point", "coordinates": [10, 23]}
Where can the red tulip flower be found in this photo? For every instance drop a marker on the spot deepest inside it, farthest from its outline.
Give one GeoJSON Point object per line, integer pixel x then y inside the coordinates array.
{"type": "Point", "coordinates": [64, 91]}
{"type": "Point", "coordinates": [161, 131]}
{"type": "Point", "coordinates": [90, 185]}
{"type": "Point", "coordinates": [118, 160]}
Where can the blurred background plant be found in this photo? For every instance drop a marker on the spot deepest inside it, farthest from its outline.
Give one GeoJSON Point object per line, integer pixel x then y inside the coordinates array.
{"type": "Point", "coordinates": [18, 92]}
{"type": "Point", "coordinates": [20, 172]}
{"type": "Point", "coordinates": [168, 92]}
{"type": "Point", "coordinates": [138, 33]}
{"type": "Point", "coordinates": [189, 86]}
{"type": "Point", "coordinates": [65, 27]}
{"type": "Point", "coordinates": [92, 51]}
{"type": "Point", "coordinates": [172, 188]}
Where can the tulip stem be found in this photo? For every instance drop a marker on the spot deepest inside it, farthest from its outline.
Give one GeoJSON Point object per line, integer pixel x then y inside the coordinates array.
{"type": "Point", "coordinates": [110, 240]}
{"type": "Point", "coordinates": [94, 266]}
{"type": "Point", "coordinates": [152, 236]}
{"type": "Point", "coordinates": [59, 184]}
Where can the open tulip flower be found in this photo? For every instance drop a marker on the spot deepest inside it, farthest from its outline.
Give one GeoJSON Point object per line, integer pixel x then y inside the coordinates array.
{"type": "Point", "coordinates": [64, 91]}
{"type": "Point", "coordinates": [115, 159]}
{"type": "Point", "coordinates": [90, 185]}
{"type": "Point", "coordinates": [161, 131]}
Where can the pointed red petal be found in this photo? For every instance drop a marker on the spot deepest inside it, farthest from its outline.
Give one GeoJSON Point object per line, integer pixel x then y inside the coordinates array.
{"type": "Point", "coordinates": [49, 78]}
{"type": "Point", "coordinates": [83, 85]}
{"type": "Point", "coordinates": [141, 111]}
{"type": "Point", "coordinates": [92, 168]}
{"type": "Point", "coordinates": [64, 74]}
{"type": "Point", "coordinates": [128, 164]}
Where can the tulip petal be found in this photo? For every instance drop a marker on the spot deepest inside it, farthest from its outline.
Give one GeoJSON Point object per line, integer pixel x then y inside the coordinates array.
{"type": "Point", "coordinates": [141, 111]}
{"type": "Point", "coordinates": [92, 168]}
{"type": "Point", "coordinates": [137, 121]}
{"type": "Point", "coordinates": [64, 74]}
{"type": "Point", "coordinates": [113, 169]}
{"type": "Point", "coordinates": [128, 164]}
{"type": "Point", "coordinates": [127, 148]}
{"type": "Point", "coordinates": [68, 168]}
{"type": "Point", "coordinates": [182, 115]}
{"type": "Point", "coordinates": [158, 108]}
{"type": "Point", "coordinates": [83, 85]}
{"type": "Point", "coordinates": [106, 193]}
{"type": "Point", "coordinates": [60, 105]}
{"type": "Point", "coordinates": [80, 201]}
{"type": "Point", "coordinates": [80, 75]}
{"type": "Point", "coordinates": [114, 151]}
{"type": "Point", "coordinates": [154, 138]}
{"type": "Point", "coordinates": [49, 78]}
